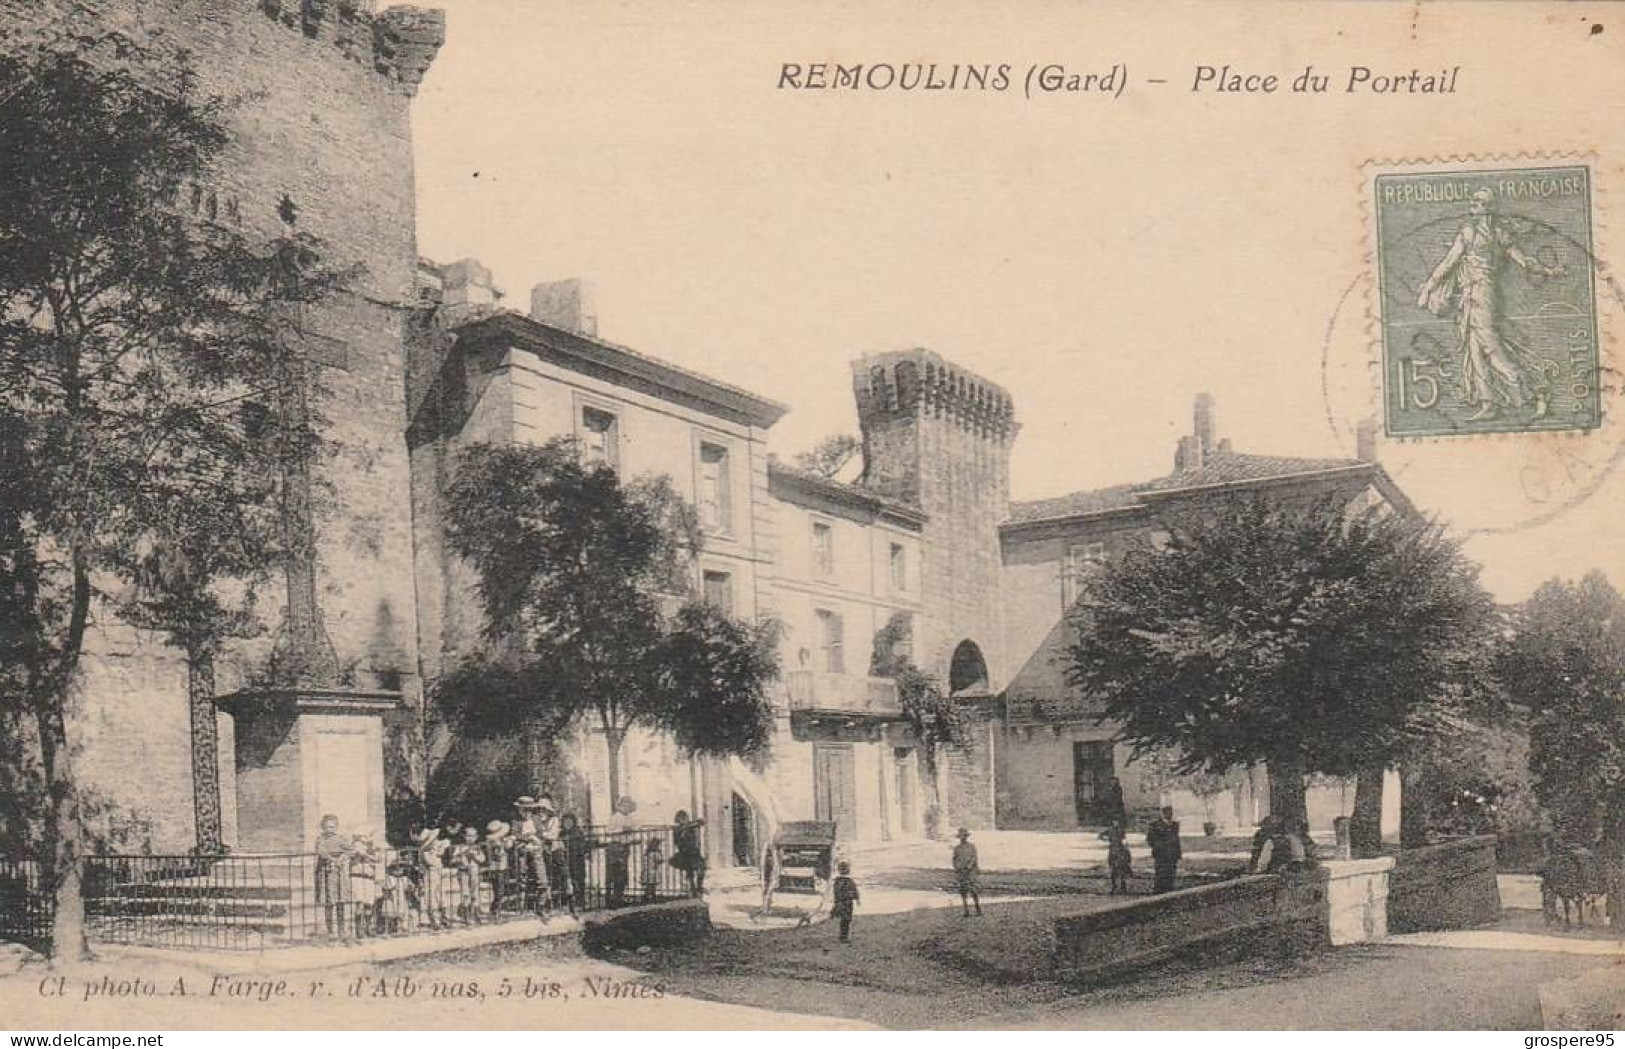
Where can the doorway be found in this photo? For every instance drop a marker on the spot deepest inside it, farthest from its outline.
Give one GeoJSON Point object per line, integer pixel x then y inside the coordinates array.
{"type": "Point", "coordinates": [906, 777]}
{"type": "Point", "coordinates": [835, 788]}
{"type": "Point", "coordinates": [1092, 772]}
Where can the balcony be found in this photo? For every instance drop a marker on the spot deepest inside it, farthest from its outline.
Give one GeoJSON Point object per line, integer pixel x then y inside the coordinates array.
{"type": "Point", "coordinates": [817, 694]}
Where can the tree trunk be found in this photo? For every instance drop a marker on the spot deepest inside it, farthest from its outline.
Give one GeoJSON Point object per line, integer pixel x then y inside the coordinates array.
{"type": "Point", "coordinates": [62, 831]}
{"type": "Point", "coordinates": [1414, 817]}
{"type": "Point", "coordinates": [613, 740]}
{"type": "Point", "coordinates": [1613, 847]}
{"type": "Point", "coordinates": [205, 751]}
{"type": "Point", "coordinates": [1365, 826]}
{"type": "Point", "coordinates": [1287, 798]}
{"type": "Point", "coordinates": [60, 855]}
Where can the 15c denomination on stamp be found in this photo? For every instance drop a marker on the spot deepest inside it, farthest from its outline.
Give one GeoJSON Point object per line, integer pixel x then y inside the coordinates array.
{"type": "Point", "coordinates": [1487, 302]}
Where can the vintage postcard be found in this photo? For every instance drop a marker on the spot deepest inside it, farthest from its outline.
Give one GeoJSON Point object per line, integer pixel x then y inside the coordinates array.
{"type": "Point", "coordinates": [529, 514]}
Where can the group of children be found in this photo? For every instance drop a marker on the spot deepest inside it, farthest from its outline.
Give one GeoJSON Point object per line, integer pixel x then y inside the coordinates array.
{"type": "Point", "coordinates": [536, 863]}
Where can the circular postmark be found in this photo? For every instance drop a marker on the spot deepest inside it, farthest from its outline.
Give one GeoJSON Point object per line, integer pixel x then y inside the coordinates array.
{"type": "Point", "coordinates": [1551, 452]}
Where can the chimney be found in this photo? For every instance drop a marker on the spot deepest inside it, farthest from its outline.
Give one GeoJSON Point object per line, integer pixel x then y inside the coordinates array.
{"type": "Point", "coordinates": [1365, 441]}
{"type": "Point", "coordinates": [1188, 456]}
{"type": "Point", "coordinates": [466, 283]}
{"type": "Point", "coordinates": [566, 304]}
{"type": "Point", "coordinates": [1205, 432]}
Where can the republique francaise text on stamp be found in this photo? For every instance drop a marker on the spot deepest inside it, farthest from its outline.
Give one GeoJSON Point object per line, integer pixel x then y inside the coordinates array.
{"type": "Point", "coordinates": [1487, 301]}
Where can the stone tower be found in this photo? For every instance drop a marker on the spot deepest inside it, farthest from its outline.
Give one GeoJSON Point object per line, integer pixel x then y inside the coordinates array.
{"type": "Point", "coordinates": [939, 437]}
{"type": "Point", "coordinates": [320, 143]}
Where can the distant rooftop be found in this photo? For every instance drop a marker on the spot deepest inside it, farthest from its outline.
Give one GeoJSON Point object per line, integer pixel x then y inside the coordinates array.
{"type": "Point", "coordinates": [1202, 460]}
{"type": "Point", "coordinates": [1225, 468]}
{"type": "Point", "coordinates": [788, 481]}
{"type": "Point", "coordinates": [563, 324]}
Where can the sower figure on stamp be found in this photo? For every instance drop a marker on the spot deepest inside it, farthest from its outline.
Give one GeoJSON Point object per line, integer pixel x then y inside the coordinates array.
{"type": "Point", "coordinates": [966, 869]}
{"type": "Point", "coordinates": [1497, 370]}
{"type": "Point", "coordinates": [1163, 837]}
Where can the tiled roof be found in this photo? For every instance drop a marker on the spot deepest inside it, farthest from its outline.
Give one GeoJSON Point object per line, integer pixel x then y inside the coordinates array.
{"type": "Point", "coordinates": [1090, 501]}
{"type": "Point", "coordinates": [1220, 468]}
{"type": "Point", "coordinates": [1234, 467]}
{"type": "Point", "coordinates": [840, 491]}
{"type": "Point", "coordinates": [535, 333]}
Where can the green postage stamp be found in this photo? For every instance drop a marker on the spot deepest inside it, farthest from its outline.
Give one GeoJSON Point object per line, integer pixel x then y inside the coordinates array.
{"type": "Point", "coordinates": [1487, 301]}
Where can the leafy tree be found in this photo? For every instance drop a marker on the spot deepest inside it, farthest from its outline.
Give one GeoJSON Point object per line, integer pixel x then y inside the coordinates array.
{"type": "Point", "coordinates": [1305, 635]}
{"type": "Point", "coordinates": [1566, 662]}
{"type": "Point", "coordinates": [828, 456]}
{"type": "Point", "coordinates": [134, 335]}
{"type": "Point", "coordinates": [936, 720]}
{"type": "Point", "coordinates": [587, 587]}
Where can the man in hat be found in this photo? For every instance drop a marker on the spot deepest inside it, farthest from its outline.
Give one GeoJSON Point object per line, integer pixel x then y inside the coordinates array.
{"type": "Point", "coordinates": [529, 869]}
{"type": "Point", "coordinates": [1163, 837]}
{"type": "Point", "coordinates": [523, 806]}
{"type": "Point", "coordinates": [966, 869]}
{"type": "Point", "coordinates": [497, 865]}
{"type": "Point", "coordinates": [549, 833]}
{"type": "Point", "coordinates": [846, 896]}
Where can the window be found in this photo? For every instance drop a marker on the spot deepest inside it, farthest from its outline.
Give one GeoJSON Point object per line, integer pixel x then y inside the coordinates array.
{"type": "Point", "coordinates": [719, 592]}
{"type": "Point", "coordinates": [1082, 561]}
{"type": "Point", "coordinates": [899, 567]}
{"type": "Point", "coordinates": [831, 642]}
{"type": "Point", "coordinates": [716, 511]}
{"type": "Point", "coordinates": [600, 438]}
{"type": "Point", "coordinates": [823, 544]}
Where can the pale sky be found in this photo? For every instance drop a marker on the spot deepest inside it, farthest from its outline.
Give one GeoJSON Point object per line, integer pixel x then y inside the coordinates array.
{"type": "Point", "coordinates": [1104, 259]}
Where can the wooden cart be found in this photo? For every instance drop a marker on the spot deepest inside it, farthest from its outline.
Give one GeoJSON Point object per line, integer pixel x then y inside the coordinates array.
{"type": "Point", "coordinates": [804, 857]}
{"type": "Point", "coordinates": [802, 863]}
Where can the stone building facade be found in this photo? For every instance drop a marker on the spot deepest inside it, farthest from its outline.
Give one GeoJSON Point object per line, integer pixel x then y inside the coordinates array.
{"type": "Point", "coordinates": [832, 562]}
{"type": "Point", "coordinates": [1055, 756]}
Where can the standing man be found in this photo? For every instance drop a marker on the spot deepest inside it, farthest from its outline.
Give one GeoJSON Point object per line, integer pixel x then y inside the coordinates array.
{"type": "Point", "coordinates": [1163, 837]}
{"type": "Point", "coordinates": [966, 869]}
{"type": "Point", "coordinates": [846, 898]}
{"type": "Point", "coordinates": [618, 851]}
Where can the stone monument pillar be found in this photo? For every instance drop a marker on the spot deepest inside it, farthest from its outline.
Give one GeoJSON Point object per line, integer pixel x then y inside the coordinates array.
{"type": "Point", "coordinates": [307, 745]}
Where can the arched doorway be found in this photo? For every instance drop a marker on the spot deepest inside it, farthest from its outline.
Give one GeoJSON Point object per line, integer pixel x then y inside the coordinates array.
{"type": "Point", "coordinates": [967, 671]}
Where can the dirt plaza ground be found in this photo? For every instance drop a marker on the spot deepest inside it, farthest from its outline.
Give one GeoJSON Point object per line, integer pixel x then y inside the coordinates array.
{"type": "Point", "coordinates": [914, 962]}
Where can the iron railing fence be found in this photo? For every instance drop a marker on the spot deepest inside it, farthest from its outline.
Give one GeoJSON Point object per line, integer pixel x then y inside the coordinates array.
{"type": "Point", "coordinates": [25, 906]}
{"type": "Point", "coordinates": [252, 902]}
{"type": "Point", "coordinates": [214, 902]}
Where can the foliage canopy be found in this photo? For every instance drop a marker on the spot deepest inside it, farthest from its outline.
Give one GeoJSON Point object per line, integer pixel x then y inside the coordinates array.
{"type": "Point", "coordinates": [1310, 635]}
